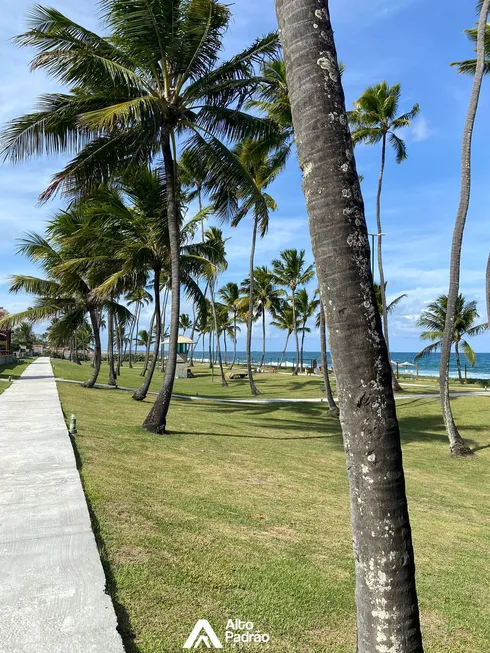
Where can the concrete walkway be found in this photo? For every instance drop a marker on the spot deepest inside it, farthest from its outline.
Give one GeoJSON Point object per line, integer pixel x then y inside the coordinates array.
{"type": "Point", "coordinates": [52, 585]}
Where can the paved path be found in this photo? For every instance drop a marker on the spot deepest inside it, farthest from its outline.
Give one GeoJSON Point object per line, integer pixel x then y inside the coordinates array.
{"type": "Point", "coordinates": [52, 597]}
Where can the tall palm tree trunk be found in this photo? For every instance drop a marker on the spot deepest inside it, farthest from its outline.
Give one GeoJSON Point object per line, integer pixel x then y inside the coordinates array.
{"type": "Point", "coordinates": [253, 387]}
{"type": "Point", "coordinates": [396, 386]}
{"type": "Point", "coordinates": [148, 345]}
{"type": "Point", "coordinates": [164, 324]}
{"type": "Point", "coordinates": [225, 344]}
{"type": "Point", "coordinates": [157, 418]}
{"type": "Point", "coordinates": [110, 347]}
{"type": "Point", "coordinates": [136, 338]}
{"type": "Point", "coordinates": [118, 345]}
{"type": "Point", "coordinates": [302, 348]}
{"type": "Point", "coordinates": [456, 443]}
{"type": "Point", "coordinates": [142, 391]}
{"type": "Point", "coordinates": [333, 409]}
{"type": "Point", "coordinates": [387, 608]}
{"type": "Point", "coordinates": [458, 362]}
{"type": "Point", "coordinates": [285, 347]}
{"type": "Point", "coordinates": [295, 331]}
{"type": "Point", "coordinates": [131, 334]}
{"type": "Point", "coordinates": [263, 338]}
{"type": "Point", "coordinates": [224, 383]}
{"type": "Point", "coordinates": [234, 339]}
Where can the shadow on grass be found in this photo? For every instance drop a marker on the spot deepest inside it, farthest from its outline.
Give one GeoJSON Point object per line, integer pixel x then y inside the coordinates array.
{"type": "Point", "coordinates": [314, 422]}
{"type": "Point", "coordinates": [123, 619]}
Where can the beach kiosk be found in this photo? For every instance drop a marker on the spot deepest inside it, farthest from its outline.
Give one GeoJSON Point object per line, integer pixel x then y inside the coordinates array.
{"type": "Point", "coordinates": [183, 346]}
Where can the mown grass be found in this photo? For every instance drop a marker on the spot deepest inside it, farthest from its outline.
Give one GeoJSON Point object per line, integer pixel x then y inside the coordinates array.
{"type": "Point", "coordinates": [242, 512]}
{"type": "Point", "coordinates": [281, 385]}
{"type": "Point", "coordinates": [14, 370]}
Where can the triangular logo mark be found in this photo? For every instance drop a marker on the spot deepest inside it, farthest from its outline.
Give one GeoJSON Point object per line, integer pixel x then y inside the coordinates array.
{"type": "Point", "coordinates": [195, 639]}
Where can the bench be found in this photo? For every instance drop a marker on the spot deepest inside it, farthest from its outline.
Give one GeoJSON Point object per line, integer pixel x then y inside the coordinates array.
{"type": "Point", "coordinates": [238, 375]}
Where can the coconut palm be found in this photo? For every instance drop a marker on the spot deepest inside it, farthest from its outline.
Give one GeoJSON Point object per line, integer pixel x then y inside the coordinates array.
{"type": "Point", "coordinates": [68, 295]}
{"type": "Point", "coordinates": [469, 65]}
{"type": "Point", "coordinates": [379, 299]}
{"type": "Point", "coordinates": [213, 237]}
{"type": "Point", "coordinates": [185, 322]}
{"type": "Point", "coordinates": [306, 307]}
{"type": "Point", "coordinates": [230, 296]}
{"type": "Point", "coordinates": [292, 271]}
{"type": "Point", "coordinates": [267, 298]}
{"type": "Point", "coordinates": [283, 319]}
{"type": "Point", "coordinates": [456, 443]}
{"type": "Point", "coordinates": [155, 80]}
{"type": "Point", "coordinates": [337, 224]}
{"type": "Point", "coordinates": [139, 297]}
{"type": "Point", "coordinates": [433, 319]}
{"type": "Point", "coordinates": [375, 120]}
{"type": "Point", "coordinates": [263, 167]}
{"type": "Point", "coordinates": [23, 336]}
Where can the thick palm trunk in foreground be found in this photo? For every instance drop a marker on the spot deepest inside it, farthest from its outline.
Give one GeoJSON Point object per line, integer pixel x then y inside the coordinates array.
{"type": "Point", "coordinates": [253, 387]}
{"type": "Point", "coordinates": [456, 442]}
{"type": "Point", "coordinates": [387, 609]}
{"type": "Point", "coordinates": [157, 417]}
{"type": "Point", "coordinates": [94, 319]}
{"type": "Point", "coordinates": [142, 391]}
{"type": "Point", "coordinates": [333, 410]}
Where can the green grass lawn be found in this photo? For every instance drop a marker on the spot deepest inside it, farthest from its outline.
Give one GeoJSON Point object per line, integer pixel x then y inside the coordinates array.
{"type": "Point", "coordinates": [243, 513]}
{"type": "Point", "coordinates": [14, 370]}
{"type": "Point", "coordinates": [280, 385]}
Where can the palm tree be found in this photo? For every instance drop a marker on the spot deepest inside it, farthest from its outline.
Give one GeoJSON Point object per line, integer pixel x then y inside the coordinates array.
{"type": "Point", "coordinates": [306, 307]}
{"type": "Point", "coordinates": [144, 338]}
{"type": "Point", "coordinates": [283, 319]}
{"type": "Point", "coordinates": [185, 322]}
{"type": "Point", "coordinates": [387, 607]}
{"type": "Point", "coordinates": [456, 443]}
{"type": "Point", "coordinates": [137, 93]}
{"type": "Point", "coordinates": [138, 297]}
{"type": "Point", "coordinates": [379, 299]}
{"type": "Point", "coordinates": [291, 271]}
{"type": "Point", "coordinates": [136, 242]}
{"type": "Point", "coordinates": [67, 294]}
{"type": "Point", "coordinates": [469, 65]}
{"type": "Point", "coordinates": [322, 327]}
{"type": "Point", "coordinates": [375, 120]}
{"type": "Point", "coordinates": [433, 319]}
{"type": "Point", "coordinates": [267, 297]}
{"type": "Point", "coordinates": [23, 336]}
{"type": "Point", "coordinates": [263, 167]}
{"type": "Point", "coordinates": [213, 237]}
{"type": "Point", "coordinates": [230, 295]}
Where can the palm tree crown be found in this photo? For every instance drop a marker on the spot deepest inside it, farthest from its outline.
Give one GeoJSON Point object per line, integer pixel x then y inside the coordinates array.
{"type": "Point", "coordinates": [374, 118]}
{"type": "Point", "coordinates": [433, 319]}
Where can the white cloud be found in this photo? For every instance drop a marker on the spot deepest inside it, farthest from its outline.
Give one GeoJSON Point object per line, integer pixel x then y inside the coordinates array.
{"type": "Point", "coordinates": [420, 130]}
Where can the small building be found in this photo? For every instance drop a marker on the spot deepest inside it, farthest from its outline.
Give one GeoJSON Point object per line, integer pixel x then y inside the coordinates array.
{"type": "Point", "coordinates": [6, 354]}
{"type": "Point", "coordinates": [183, 346]}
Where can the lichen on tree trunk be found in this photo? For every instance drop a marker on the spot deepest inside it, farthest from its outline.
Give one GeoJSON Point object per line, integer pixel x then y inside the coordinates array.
{"type": "Point", "coordinates": [387, 608]}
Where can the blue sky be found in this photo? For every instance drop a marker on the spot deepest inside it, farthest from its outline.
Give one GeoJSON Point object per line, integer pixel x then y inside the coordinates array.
{"type": "Point", "coordinates": [406, 41]}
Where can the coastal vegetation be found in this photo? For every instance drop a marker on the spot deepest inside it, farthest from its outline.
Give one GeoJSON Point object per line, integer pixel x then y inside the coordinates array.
{"type": "Point", "coordinates": [169, 138]}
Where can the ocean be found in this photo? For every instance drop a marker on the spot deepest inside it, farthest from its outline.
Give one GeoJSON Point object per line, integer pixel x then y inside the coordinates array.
{"type": "Point", "coordinates": [428, 366]}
